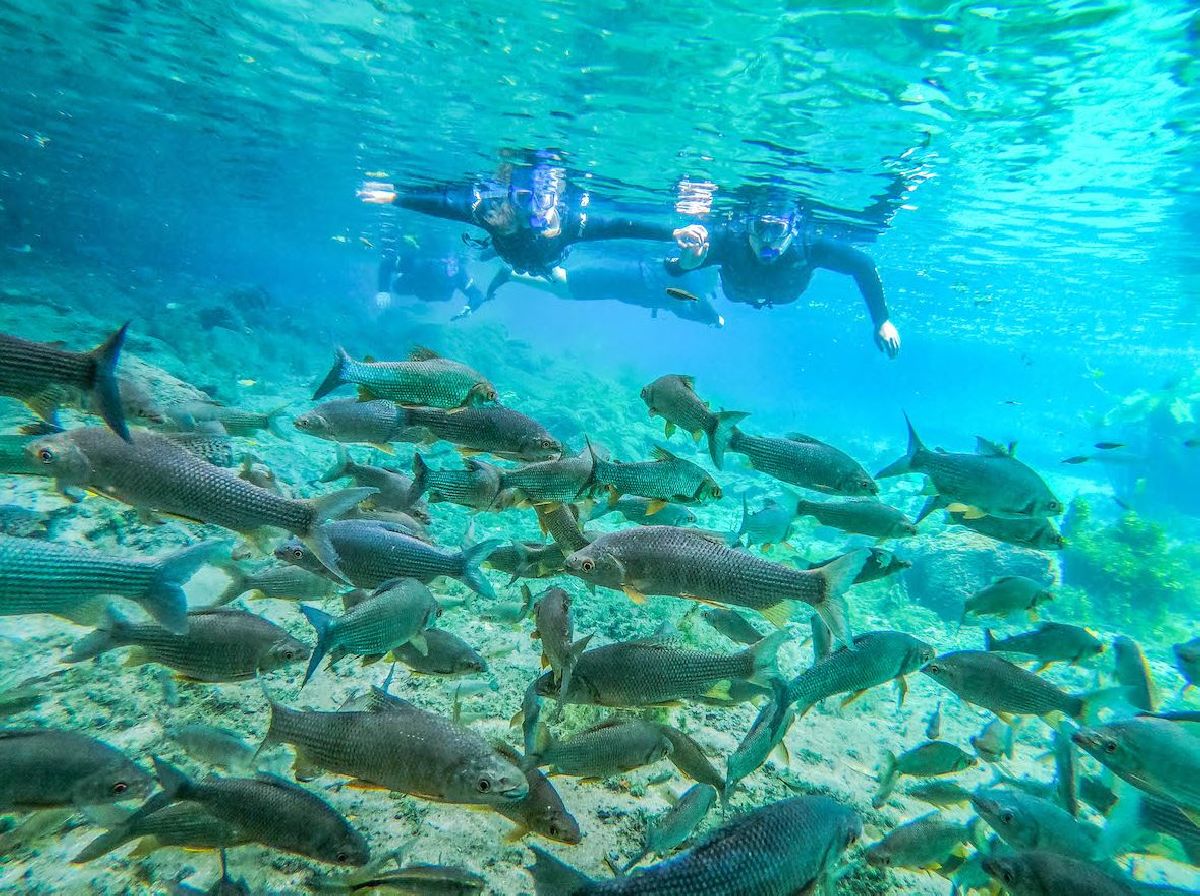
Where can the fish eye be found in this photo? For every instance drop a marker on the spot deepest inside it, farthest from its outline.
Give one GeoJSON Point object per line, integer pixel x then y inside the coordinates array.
{"type": "Point", "coordinates": [342, 857]}
{"type": "Point", "coordinates": [45, 455]}
{"type": "Point", "coordinates": [1110, 746]}
{"type": "Point", "coordinates": [1006, 817]}
{"type": "Point", "coordinates": [297, 554]}
{"type": "Point", "coordinates": [289, 654]}
{"type": "Point", "coordinates": [933, 668]}
{"type": "Point", "coordinates": [119, 788]}
{"type": "Point", "coordinates": [1008, 877]}
{"type": "Point", "coordinates": [483, 785]}
{"type": "Point", "coordinates": [716, 491]}
{"type": "Point", "coordinates": [587, 564]}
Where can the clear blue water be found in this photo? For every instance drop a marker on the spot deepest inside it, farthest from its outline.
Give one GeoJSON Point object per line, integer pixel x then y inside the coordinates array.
{"type": "Point", "coordinates": [1024, 175]}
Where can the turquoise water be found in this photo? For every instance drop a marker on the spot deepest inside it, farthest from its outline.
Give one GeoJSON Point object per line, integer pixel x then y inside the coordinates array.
{"type": "Point", "coordinates": [1023, 176]}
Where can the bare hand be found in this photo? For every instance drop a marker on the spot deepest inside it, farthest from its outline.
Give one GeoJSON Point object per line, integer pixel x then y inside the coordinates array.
{"type": "Point", "coordinates": [693, 245]}
{"type": "Point", "coordinates": [375, 193]}
{"type": "Point", "coordinates": [888, 339]}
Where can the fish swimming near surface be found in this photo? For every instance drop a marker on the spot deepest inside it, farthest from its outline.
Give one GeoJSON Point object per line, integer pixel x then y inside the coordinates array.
{"type": "Point", "coordinates": [398, 746]}
{"type": "Point", "coordinates": [682, 562]}
{"type": "Point", "coordinates": [69, 581]}
{"type": "Point", "coordinates": [804, 461]}
{"type": "Point", "coordinates": [397, 613]}
{"type": "Point", "coordinates": [378, 423]}
{"type": "Point", "coordinates": [267, 810]}
{"type": "Point", "coordinates": [659, 670]}
{"type": "Point", "coordinates": [784, 848]}
{"type": "Point", "coordinates": [426, 378]}
{"type": "Point", "coordinates": [41, 768]}
{"type": "Point", "coordinates": [372, 553]}
{"type": "Point", "coordinates": [28, 369]}
{"type": "Point", "coordinates": [493, 429]}
{"type": "Point", "coordinates": [154, 474]}
{"type": "Point", "coordinates": [218, 645]}
{"type": "Point", "coordinates": [989, 482]}
{"type": "Point", "coordinates": [673, 397]}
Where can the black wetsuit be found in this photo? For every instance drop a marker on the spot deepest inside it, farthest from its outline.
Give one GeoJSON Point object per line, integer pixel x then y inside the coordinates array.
{"type": "Point", "coordinates": [431, 278]}
{"type": "Point", "coordinates": [746, 279]}
{"type": "Point", "coordinates": [526, 251]}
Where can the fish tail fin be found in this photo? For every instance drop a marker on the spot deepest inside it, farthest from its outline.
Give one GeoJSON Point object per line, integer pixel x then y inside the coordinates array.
{"type": "Point", "coordinates": [340, 462]}
{"type": "Point", "coordinates": [1091, 702]}
{"type": "Point", "coordinates": [554, 877]}
{"type": "Point", "coordinates": [589, 484]}
{"type": "Point", "coordinates": [721, 432]}
{"type": "Point", "coordinates": [763, 656]}
{"type": "Point", "coordinates": [837, 576]}
{"type": "Point", "coordinates": [989, 642]}
{"type": "Point", "coordinates": [117, 835]}
{"type": "Point", "coordinates": [321, 622]}
{"type": "Point", "coordinates": [904, 464]}
{"type": "Point", "coordinates": [342, 363]}
{"type": "Point", "coordinates": [239, 584]}
{"type": "Point", "coordinates": [105, 387]}
{"type": "Point", "coordinates": [471, 574]}
{"type": "Point", "coordinates": [887, 779]}
{"type": "Point", "coordinates": [1121, 826]}
{"type": "Point", "coordinates": [735, 538]}
{"type": "Point", "coordinates": [274, 733]}
{"type": "Point", "coordinates": [932, 503]}
{"type": "Point", "coordinates": [420, 479]}
{"type": "Point", "coordinates": [109, 635]}
{"type": "Point", "coordinates": [275, 423]}
{"type": "Point", "coordinates": [622, 870]}
{"type": "Point", "coordinates": [174, 783]}
{"type": "Point", "coordinates": [164, 599]}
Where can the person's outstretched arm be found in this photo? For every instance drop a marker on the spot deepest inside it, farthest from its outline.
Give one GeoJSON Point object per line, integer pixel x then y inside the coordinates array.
{"type": "Point", "coordinates": [696, 249]}
{"type": "Point", "coordinates": [597, 228]}
{"type": "Point", "coordinates": [845, 259]}
{"type": "Point", "coordinates": [454, 203]}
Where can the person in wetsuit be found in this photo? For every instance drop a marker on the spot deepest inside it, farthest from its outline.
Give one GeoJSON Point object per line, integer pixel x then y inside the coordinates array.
{"type": "Point", "coordinates": [430, 276]}
{"type": "Point", "coordinates": [768, 258]}
{"type": "Point", "coordinates": [532, 218]}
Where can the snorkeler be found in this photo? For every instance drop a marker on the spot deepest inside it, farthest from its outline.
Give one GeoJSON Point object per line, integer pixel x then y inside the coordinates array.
{"type": "Point", "coordinates": [429, 275]}
{"type": "Point", "coordinates": [767, 257]}
{"type": "Point", "coordinates": [531, 215]}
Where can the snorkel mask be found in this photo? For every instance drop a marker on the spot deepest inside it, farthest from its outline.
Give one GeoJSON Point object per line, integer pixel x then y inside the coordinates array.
{"type": "Point", "coordinates": [771, 235]}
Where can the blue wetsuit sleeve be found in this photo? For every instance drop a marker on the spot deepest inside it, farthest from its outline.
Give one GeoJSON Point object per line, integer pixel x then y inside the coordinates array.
{"type": "Point", "coordinates": [453, 203]}
{"type": "Point", "coordinates": [834, 255]}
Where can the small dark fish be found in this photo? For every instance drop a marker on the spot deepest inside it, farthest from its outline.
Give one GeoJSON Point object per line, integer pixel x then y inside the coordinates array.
{"type": "Point", "coordinates": [41, 768]}
{"type": "Point", "coordinates": [1029, 532]}
{"type": "Point", "coordinates": [1066, 772]}
{"type": "Point", "coordinates": [784, 848]}
{"type": "Point", "coordinates": [1077, 459]}
{"type": "Point", "coordinates": [215, 746]}
{"type": "Point", "coordinates": [766, 734]}
{"type": "Point", "coordinates": [1109, 446]}
{"type": "Point", "coordinates": [541, 811]}
{"type": "Point", "coordinates": [219, 645]}
{"type": "Point", "coordinates": [681, 294]}
{"type": "Point", "coordinates": [29, 368]}
{"type": "Point", "coordinates": [266, 810]}
{"type": "Point", "coordinates": [1191, 443]}
{"type": "Point", "coordinates": [448, 655]}
{"type": "Point", "coordinates": [425, 378]}
{"type": "Point", "coordinates": [995, 742]}
{"type": "Point", "coordinates": [731, 624]}
{"type": "Point", "coordinates": [554, 627]}
{"type": "Point", "coordinates": [687, 756]}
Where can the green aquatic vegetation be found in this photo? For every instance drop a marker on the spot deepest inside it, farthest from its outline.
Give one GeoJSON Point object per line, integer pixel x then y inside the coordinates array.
{"type": "Point", "coordinates": [1130, 567]}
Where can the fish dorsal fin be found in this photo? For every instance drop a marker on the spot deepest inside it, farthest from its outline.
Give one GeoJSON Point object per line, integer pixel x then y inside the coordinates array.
{"type": "Point", "coordinates": [707, 536]}
{"type": "Point", "coordinates": [368, 359]}
{"type": "Point", "coordinates": [421, 353]}
{"type": "Point", "coordinates": [687, 380]}
{"type": "Point", "coordinates": [381, 701]}
{"type": "Point", "coordinates": [658, 452]}
{"type": "Point", "coordinates": [988, 448]}
{"type": "Point", "coordinates": [801, 437]}
{"type": "Point", "coordinates": [276, 781]}
{"type": "Point", "coordinates": [610, 722]}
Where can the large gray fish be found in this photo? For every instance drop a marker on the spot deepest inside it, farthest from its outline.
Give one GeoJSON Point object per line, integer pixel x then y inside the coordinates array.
{"type": "Point", "coordinates": [667, 478]}
{"type": "Point", "coordinates": [44, 577]}
{"type": "Point", "coordinates": [30, 368]}
{"type": "Point", "coordinates": [804, 461]}
{"type": "Point", "coordinates": [554, 627]}
{"type": "Point", "coordinates": [219, 645]}
{"type": "Point", "coordinates": [1050, 642]}
{"type": "Point", "coordinates": [673, 397]}
{"type": "Point", "coordinates": [1154, 755]}
{"type": "Point", "coordinates": [1051, 874]}
{"type": "Point", "coordinates": [675, 826]}
{"type": "Point", "coordinates": [991, 481]}
{"type": "Point", "coordinates": [394, 489]}
{"type": "Point", "coordinates": [493, 429]}
{"type": "Point", "coordinates": [1133, 673]}
{"type": "Point", "coordinates": [425, 378]}
{"type": "Point", "coordinates": [923, 843]}
{"type": "Point", "coordinates": [398, 613]}
{"type": "Point", "coordinates": [782, 849]}
{"type": "Point", "coordinates": [1006, 595]}
{"type": "Point", "coordinates": [1187, 658]}
{"type": "Point", "coordinates": [371, 553]}
{"type": "Point", "coordinates": [400, 747]}
{"type": "Point", "coordinates": [558, 481]}
{"type": "Point", "coordinates": [1027, 532]}
{"type": "Point", "coordinates": [280, 581]}
{"type": "Point", "coordinates": [660, 670]}
{"type": "Point", "coordinates": [155, 474]}
{"type": "Point", "coordinates": [685, 563]}
{"type": "Point", "coordinates": [541, 811]}
{"type": "Point", "coordinates": [765, 735]}
{"type": "Point", "coordinates": [41, 768]}
{"type": "Point", "coordinates": [1024, 821]}
{"type": "Point", "coordinates": [876, 658]}
{"type": "Point", "coordinates": [185, 825]}
{"type": "Point", "coordinates": [448, 654]}
{"type": "Point", "coordinates": [476, 486]}
{"type": "Point", "coordinates": [267, 810]}
{"type": "Point", "coordinates": [863, 516]}
{"type": "Point", "coordinates": [377, 423]}
{"type": "Point", "coordinates": [994, 683]}
{"type": "Point", "coordinates": [189, 416]}
{"type": "Point", "coordinates": [609, 748]}
{"type": "Point", "coordinates": [640, 510]}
